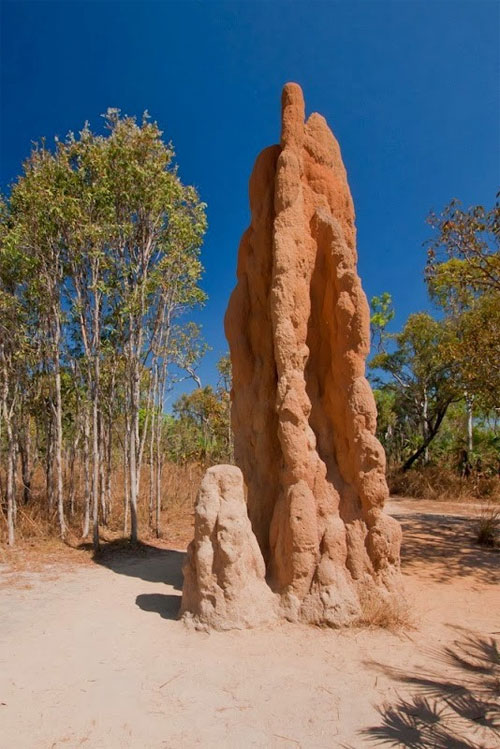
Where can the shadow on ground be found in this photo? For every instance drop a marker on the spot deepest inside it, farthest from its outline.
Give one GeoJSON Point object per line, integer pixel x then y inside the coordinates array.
{"type": "Point", "coordinates": [446, 546]}
{"type": "Point", "coordinates": [149, 563]}
{"type": "Point", "coordinates": [167, 606]}
{"type": "Point", "coordinates": [458, 711]}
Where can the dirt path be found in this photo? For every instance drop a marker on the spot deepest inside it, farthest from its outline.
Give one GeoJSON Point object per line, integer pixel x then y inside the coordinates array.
{"type": "Point", "coordinates": [94, 657]}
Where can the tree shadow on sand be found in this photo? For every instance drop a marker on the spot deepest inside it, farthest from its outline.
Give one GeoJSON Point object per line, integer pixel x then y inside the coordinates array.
{"type": "Point", "coordinates": [461, 711]}
{"type": "Point", "coordinates": [446, 545]}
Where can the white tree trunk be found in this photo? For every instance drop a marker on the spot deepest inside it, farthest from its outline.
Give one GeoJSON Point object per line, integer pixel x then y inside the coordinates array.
{"type": "Point", "coordinates": [58, 441]}
{"type": "Point", "coordinates": [86, 473]}
{"type": "Point", "coordinates": [126, 477]}
{"type": "Point", "coordinates": [469, 409]}
{"type": "Point", "coordinates": [10, 488]}
{"type": "Point", "coordinates": [133, 464]}
{"type": "Point", "coordinates": [95, 474]}
{"type": "Point", "coordinates": [425, 426]}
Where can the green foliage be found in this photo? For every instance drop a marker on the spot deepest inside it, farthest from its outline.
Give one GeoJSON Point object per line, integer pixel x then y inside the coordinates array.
{"type": "Point", "coordinates": [439, 376]}
{"type": "Point", "coordinates": [464, 255]}
{"type": "Point", "coordinates": [387, 417]}
{"type": "Point", "coordinates": [463, 277]}
{"type": "Point", "coordinates": [473, 344]}
{"type": "Point", "coordinates": [418, 361]}
{"type": "Point", "coordinates": [421, 379]}
{"type": "Point", "coordinates": [99, 264]}
{"type": "Point", "coordinates": [200, 430]}
{"type": "Point", "coordinates": [382, 314]}
{"type": "Point", "coordinates": [225, 373]}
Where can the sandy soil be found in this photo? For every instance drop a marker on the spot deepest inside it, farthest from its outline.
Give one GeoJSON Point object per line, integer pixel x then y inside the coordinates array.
{"type": "Point", "coordinates": [92, 656]}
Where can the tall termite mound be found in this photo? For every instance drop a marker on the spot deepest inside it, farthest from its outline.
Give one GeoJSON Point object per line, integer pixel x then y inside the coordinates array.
{"type": "Point", "coordinates": [303, 412]}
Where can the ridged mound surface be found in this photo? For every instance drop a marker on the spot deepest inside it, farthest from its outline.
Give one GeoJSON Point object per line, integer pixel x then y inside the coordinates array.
{"type": "Point", "coordinates": [224, 573]}
{"type": "Point", "coordinates": [303, 412]}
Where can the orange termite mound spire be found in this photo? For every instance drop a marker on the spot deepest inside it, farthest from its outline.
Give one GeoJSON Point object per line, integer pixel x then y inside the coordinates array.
{"type": "Point", "coordinates": [303, 413]}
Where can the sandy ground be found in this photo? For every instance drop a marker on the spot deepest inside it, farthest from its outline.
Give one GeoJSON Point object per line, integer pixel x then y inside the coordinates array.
{"type": "Point", "coordinates": [93, 656]}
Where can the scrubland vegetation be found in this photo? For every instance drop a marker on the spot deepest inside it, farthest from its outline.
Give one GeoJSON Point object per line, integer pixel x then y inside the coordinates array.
{"type": "Point", "coordinates": [99, 268]}
{"type": "Point", "coordinates": [437, 381]}
{"type": "Point", "coordinates": [99, 264]}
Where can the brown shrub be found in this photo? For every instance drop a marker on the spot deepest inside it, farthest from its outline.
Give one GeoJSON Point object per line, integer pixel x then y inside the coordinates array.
{"type": "Point", "coordinates": [36, 521]}
{"type": "Point", "coordinates": [433, 482]}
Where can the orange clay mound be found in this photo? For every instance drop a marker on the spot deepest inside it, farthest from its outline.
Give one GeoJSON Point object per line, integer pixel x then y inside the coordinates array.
{"type": "Point", "coordinates": [303, 412]}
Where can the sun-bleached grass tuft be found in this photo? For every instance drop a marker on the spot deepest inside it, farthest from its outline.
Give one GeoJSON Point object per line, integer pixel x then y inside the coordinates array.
{"type": "Point", "coordinates": [384, 610]}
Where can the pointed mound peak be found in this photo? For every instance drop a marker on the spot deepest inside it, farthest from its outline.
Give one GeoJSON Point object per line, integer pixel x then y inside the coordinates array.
{"type": "Point", "coordinates": [292, 115]}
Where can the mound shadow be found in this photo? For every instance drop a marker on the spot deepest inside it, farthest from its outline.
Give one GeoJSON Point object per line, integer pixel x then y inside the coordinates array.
{"type": "Point", "coordinates": [151, 564]}
{"type": "Point", "coordinates": [167, 606]}
{"type": "Point", "coordinates": [144, 561]}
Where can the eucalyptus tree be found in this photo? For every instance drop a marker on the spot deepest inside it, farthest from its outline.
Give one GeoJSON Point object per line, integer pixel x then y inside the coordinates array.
{"type": "Point", "coordinates": [224, 387]}
{"type": "Point", "coordinates": [382, 312]}
{"type": "Point", "coordinates": [37, 205]}
{"type": "Point", "coordinates": [87, 234]}
{"type": "Point", "coordinates": [463, 258]}
{"type": "Point", "coordinates": [113, 237]}
{"type": "Point", "coordinates": [463, 277]}
{"type": "Point", "coordinates": [8, 326]}
{"type": "Point", "coordinates": [17, 353]}
{"type": "Point", "coordinates": [133, 236]}
{"type": "Point", "coordinates": [422, 376]}
{"type": "Point", "coordinates": [201, 429]}
{"type": "Point", "coordinates": [156, 229]}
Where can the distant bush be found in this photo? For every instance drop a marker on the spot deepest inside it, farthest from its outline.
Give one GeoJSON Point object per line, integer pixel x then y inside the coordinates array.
{"type": "Point", "coordinates": [439, 482]}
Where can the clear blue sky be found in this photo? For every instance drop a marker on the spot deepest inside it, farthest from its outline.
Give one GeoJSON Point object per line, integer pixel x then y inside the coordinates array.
{"type": "Point", "coordinates": [411, 90]}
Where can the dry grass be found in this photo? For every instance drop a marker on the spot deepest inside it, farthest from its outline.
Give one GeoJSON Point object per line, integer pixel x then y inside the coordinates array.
{"type": "Point", "coordinates": [488, 527]}
{"type": "Point", "coordinates": [37, 540]}
{"type": "Point", "coordinates": [433, 482]}
{"type": "Point", "coordinates": [387, 611]}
